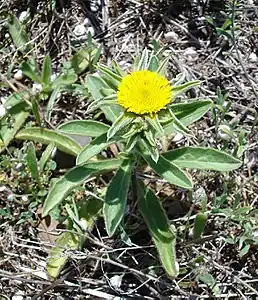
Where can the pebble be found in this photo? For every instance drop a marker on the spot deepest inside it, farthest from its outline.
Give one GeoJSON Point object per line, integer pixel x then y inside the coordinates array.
{"type": "Point", "coordinates": [222, 133]}
{"type": "Point", "coordinates": [24, 198]}
{"type": "Point", "coordinates": [2, 111]}
{"type": "Point", "coordinates": [123, 25]}
{"type": "Point", "coordinates": [18, 75]}
{"type": "Point", "coordinates": [253, 57]}
{"type": "Point", "coordinates": [19, 167]}
{"type": "Point", "coordinates": [116, 281]}
{"type": "Point", "coordinates": [23, 16]}
{"type": "Point", "coordinates": [36, 88]}
{"type": "Point", "coordinates": [18, 296]}
{"type": "Point", "coordinates": [86, 22]}
{"type": "Point", "coordinates": [191, 54]}
{"type": "Point", "coordinates": [3, 100]}
{"type": "Point", "coordinates": [178, 137]}
{"type": "Point", "coordinates": [93, 7]}
{"type": "Point", "coordinates": [80, 30]}
{"type": "Point", "coordinates": [171, 36]}
{"type": "Point", "coordinates": [53, 76]}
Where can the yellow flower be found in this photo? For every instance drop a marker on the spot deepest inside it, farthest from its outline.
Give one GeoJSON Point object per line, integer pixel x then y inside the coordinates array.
{"type": "Point", "coordinates": [144, 92]}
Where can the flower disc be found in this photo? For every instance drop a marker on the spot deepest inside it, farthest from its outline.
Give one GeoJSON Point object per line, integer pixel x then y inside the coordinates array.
{"type": "Point", "coordinates": [144, 92]}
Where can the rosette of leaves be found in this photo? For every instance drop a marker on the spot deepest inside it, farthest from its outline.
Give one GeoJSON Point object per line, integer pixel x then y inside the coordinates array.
{"type": "Point", "coordinates": [140, 107]}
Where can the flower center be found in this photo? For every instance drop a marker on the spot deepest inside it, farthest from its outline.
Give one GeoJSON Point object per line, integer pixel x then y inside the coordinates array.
{"type": "Point", "coordinates": [144, 92]}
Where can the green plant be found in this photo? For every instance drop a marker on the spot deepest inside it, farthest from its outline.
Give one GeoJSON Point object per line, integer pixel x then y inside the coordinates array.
{"type": "Point", "coordinates": [228, 27]}
{"type": "Point", "coordinates": [48, 88]}
{"type": "Point", "coordinates": [136, 127]}
{"type": "Point", "coordinates": [226, 125]}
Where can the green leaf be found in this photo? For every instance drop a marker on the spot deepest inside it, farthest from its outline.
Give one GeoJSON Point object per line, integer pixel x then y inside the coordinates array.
{"type": "Point", "coordinates": [187, 113]}
{"type": "Point", "coordinates": [180, 89]}
{"type": "Point", "coordinates": [35, 110]}
{"type": "Point", "coordinates": [210, 281]}
{"type": "Point", "coordinates": [32, 162]}
{"type": "Point", "coordinates": [95, 85]}
{"type": "Point", "coordinates": [113, 77]}
{"type": "Point", "coordinates": [149, 148]}
{"type": "Point", "coordinates": [29, 72]}
{"type": "Point", "coordinates": [199, 225]}
{"type": "Point", "coordinates": [80, 60]}
{"type": "Point", "coordinates": [178, 124]}
{"type": "Point", "coordinates": [19, 35]}
{"type": "Point", "coordinates": [116, 197]}
{"type": "Point", "coordinates": [58, 256]}
{"type": "Point", "coordinates": [102, 103]}
{"type": "Point", "coordinates": [131, 142]}
{"type": "Point", "coordinates": [46, 72]}
{"type": "Point", "coordinates": [244, 250]}
{"type": "Point", "coordinates": [51, 102]}
{"type": "Point", "coordinates": [16, 98]}
{"type": "Point", "coordinates": [117, 69]}
{"type": "Point", "coordinates": [46, 136]}
{"type": "Point", "coordinates": [150, 138]}
{"type": "Point", "coordinates": [7, 131]}
{"type": "Point", "coordinates": [143, 61]}
{"type": "Point", "coordinates": [96, 55]}
{"type": "Point", "coordinates": [46, 156]}
{"type": "Point", "coordinates": [159, 227]}
{"type": "Point", "coordinates": [94, 148]}
{"type": "Point", "coordinates": [154, 64]}
{"type": "Point", "coordinates": [202, 158]}
{"type": "Point", "coordinates": [84, 128]}
{"type": "Point", "coordinates": [169, 171]}
{"type": "Point", "coordinates": [65, 79]}
{"type": "Point", "coordinates": [162, 69]}
{"type": "Point", "coordinates": [120, 123]}
{"type": "Point", "coordinates": [155, 124]}
{"type": "Point", "coordinates": [74, 178]}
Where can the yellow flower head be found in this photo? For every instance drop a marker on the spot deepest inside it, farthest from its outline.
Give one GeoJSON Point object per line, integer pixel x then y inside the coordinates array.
{"type": "Point", "coordinates": [144, 92]}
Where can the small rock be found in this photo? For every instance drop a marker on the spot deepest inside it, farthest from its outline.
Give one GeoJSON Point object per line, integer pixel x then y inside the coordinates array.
{"type": "Point", "coordinates": [18, 296]}
{"type": "Point", "coordinates": [93, 7]}
{"type": "Point", "coordinates": [86, 22]}
{"type": "Point", "coordinates": [79, 30]}
{"type": "Point", "coordinates": [177, 137]}
{"type": "Point", "coordinates": [18, 75]}
{"type": "Point", "coordinates": [36, 88]}
{"type": "Point", "coordinates": [253, 57]}
{"type": "Point", "coordinates": [19, 167]}
{"type": "Point", "coordinates": [3, 188]}
{"type": "Point", "coordinates": [123, 25]}
{"type": "Point", "coordinates": [24, 199]}
{"type": "Point", "coordinates": [3, 100]}
{"type": "Point", "coordinates": [23, 16]}
{"type": "Point", "coordinates": [171, 36]}
{"type": "Point", "coordinates": [116, 281]}
{"type": "Point", "coordinates": [53, 77]}
{"type": "Point", "coordinates": [223, 133]}
{"type": "Point", "coordinates": [191, 54]}
{"type": "Point", "coordinates": [2, 111]}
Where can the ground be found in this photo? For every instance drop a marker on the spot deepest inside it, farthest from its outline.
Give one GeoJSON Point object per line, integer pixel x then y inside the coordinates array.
{"type": "Point", "coordinates": [211, 41]}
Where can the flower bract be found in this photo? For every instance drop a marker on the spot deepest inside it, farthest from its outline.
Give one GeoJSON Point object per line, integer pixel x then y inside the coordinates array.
{"type": "Point", "coordinates": [144, 92]}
